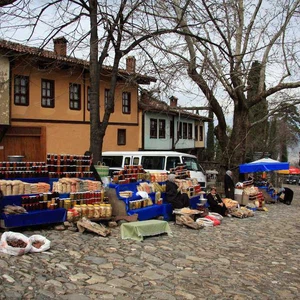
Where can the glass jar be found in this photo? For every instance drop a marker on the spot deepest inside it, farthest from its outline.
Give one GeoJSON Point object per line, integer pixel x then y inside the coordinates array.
{"type": "Point", "coordinates": [84, 210]}
{"type": "Point", "coordinates": [67, 203]}
{"type": "Point", "coordinates": [108, 211]}
{"type": "Point", "coordinates": [102, 210]}
{"type": "Point", "coordinates": [90, 211]}
{"type": "Point", "coordinates": [78, 209]}
{"type": "Point", "coordinates": [97, 211]}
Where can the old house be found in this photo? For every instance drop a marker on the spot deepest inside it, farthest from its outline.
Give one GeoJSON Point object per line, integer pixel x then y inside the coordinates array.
{"type": "Point", "coordinates": [44, 103]}
{"type": "Point", "coordinates": [168, 127]}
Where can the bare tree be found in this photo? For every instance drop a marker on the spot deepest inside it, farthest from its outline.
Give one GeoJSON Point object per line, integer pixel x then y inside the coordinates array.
{"type": "Point", "coordinates": [234, 35]}
{"type": "Point", "coordinates": [109, 29]}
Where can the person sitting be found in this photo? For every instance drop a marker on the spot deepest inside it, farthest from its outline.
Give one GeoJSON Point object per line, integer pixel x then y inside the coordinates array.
{"type": "Point", "coordinates": [215, 202]}
{"type": "Point", "coordinates": [174, 195]}
{"type": "Point", "coordinates": [286, 195]}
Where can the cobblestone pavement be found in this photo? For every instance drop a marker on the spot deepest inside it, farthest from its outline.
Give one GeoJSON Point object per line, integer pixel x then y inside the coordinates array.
{"type": "Point", "coordinates": [253, 258]}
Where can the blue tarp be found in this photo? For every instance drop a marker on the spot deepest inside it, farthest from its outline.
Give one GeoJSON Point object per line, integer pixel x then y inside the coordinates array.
{"type": "Point", "coordinates": [263, 165]}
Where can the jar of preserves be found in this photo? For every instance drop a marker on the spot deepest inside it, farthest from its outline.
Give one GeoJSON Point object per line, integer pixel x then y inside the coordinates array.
{"type": "Point", "coordinates": [108, 211]}
{"type": "Point", "coordinates": [90, 211]}
{"type": "Point", "coordinates": [67, 203]}
{"type": "Point", "coordinates": [84, 210]}
{"type": "Point", "coordinates": [78, 209]}
{"type": "Point", "coordinates": [102, 210]}
{"type": "Point", "coordinates": [97, 211]}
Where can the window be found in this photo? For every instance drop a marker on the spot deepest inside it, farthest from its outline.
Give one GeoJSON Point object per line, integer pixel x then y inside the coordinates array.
{"type": "Point", "coordinates": [153, 162]}
{"type": "Point", "coordinates": [172, 162]}
{"type": "Point", "coordinates": [136, 161]}
{"type": "Point", "coordinates": [21, 90]}
{"type": "Point", "coordinates": [171, 129]}
{"type": "Point", "coordinates": [162, 129]}
{"type": "Point", "coordinates": [88, 98]}
{"type": "Point", "coordinates": [47, 93]}
{"type": "Point", "coordinates": [126, 103]}
{"type": "Point", "coordinates": [153, 129]}
{"type": "Point", "coordinates": [121, 137]}
{"type": "Point", "coordinates": [74, 95]}
{"type": "Point", "coordinates": [184, 136]}
{"type": "Point", "coordinates": [113, 161]}
{"type": "Point", "coordinates": [196, 133]}
{"type": "Point", "coordinates": [106, 92]}
{"type": "Point", "coordinates": [126, 160]}
{"type": "Point", "coordinates": [179, 130]}
{"type": "Point", "coordinates": [190, 131]}
{"type": "Point", "coordinates": [201, 133]}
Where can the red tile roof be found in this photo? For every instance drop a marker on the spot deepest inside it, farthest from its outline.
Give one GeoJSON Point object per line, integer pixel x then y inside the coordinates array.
{"type": "Point", "coordinates": [14, 48]}
{"type": "Point", "coordinates": [148, 103]}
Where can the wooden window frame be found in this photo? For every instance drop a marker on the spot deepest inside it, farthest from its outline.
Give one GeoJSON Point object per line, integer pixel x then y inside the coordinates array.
{"type": "Point", "coordinates": [21, 90]}
{"type": "Point", "coordinates": [201, 133]}
{"type": "Point", "coordinates": [121, 137]}
{"type": "Point", "coordinates": [88, 102]}
{"type": "Point", "coordinates": [47, 99]}
{"type": "Point", "coordinates": [162, 128]}
{"type": "Point", "coordinates": [171, 129]}
{"type": "Point", "coordinates": [184, 130]}
{"type": "Point", "coordinates": [196, 133]}
{"type": "Point", "coordinates": [190, 131]}
{"type": "Point", "coordinates": [106, 93]}
{"type": "Point", "coordinates": [72, 96]}
{"type": "Point", "coordinates": [126, 102]}
{"type": "Point", "coordinates": [179, 130]}
{"type": "Point", "coordinates": [153, 128]}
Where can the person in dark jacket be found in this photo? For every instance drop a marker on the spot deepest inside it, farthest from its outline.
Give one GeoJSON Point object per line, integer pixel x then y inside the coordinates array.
{"type": "Point", "coordinates": [229, 185]}
{"type": "Point", "coordinates": [286, 195]}
{"type": "Point", "coordinates": [174, 195]}
{"type": "Point", "coordinates": [215, 203]}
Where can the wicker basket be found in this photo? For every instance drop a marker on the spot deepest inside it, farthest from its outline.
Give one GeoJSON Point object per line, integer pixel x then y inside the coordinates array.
{"type": "Point", "coordinates": [102, 169]}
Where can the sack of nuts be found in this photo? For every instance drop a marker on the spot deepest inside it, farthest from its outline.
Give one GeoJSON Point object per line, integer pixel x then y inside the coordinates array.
{"type": "Point", "coordinates": [14, 243]}
{"type": "Point", "coordinates": [39, 243]}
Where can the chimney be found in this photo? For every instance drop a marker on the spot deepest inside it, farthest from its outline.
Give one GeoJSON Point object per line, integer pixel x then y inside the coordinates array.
{"type": "Point", "coordinates": [60, 46]}
{"type": "Point", "coordinates": [173, 101]}
{"type": "Point", "coordinates": [130, 64]}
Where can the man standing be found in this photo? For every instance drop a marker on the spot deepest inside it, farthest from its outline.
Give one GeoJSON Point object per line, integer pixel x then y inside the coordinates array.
{"type": "Point", "coordinates": [229, 185]}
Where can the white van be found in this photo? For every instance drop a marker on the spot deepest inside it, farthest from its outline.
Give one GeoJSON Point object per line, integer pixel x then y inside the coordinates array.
{"type": "Point", "coordinates": [155, 162]}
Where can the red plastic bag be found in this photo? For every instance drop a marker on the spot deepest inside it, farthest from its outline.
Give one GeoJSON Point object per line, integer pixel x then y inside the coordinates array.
{"type": "Point", "coordinates": [214, 219]}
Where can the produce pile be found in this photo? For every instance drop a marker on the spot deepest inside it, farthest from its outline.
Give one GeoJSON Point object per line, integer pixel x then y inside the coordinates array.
{"type": "Point", "coordinates": [14, 210]}
{"type": "Point", "coordinates": [16, 243]}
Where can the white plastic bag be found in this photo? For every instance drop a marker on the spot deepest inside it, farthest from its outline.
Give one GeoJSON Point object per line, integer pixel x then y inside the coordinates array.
{"type": "Point", "coordinates": [39, 238]}
{"type": "Point", "coordinates": [205, 222]}
{"type": "Point", "coordinates": [143, 194]}
{"type": "Point", "coordinates": [216, 215]}
{"type": "Point", "coordinates": [11, 236]}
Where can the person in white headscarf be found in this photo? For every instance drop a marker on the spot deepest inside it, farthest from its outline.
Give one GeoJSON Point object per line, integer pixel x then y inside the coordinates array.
{"type": "Point", "coordinates": [229, 185]}
{"type": "Point", "coordinates": [174, 195]}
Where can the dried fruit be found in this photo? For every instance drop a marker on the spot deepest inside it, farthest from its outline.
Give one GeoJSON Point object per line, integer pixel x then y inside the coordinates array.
{"type": "Point", "coordinates": [17, 243]}
{"type": "Point", "coordinates": [37, 244]}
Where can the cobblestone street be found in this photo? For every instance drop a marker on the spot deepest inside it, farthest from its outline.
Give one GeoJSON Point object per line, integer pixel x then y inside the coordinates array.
{"type": "Point", "coordinates": [252, 258]}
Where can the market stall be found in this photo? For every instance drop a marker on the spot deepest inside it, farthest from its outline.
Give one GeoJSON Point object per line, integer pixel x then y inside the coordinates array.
{"type": "Point", "coordinates": [49, 192]}
{"type": "Point", "coordinates": [262, 165]}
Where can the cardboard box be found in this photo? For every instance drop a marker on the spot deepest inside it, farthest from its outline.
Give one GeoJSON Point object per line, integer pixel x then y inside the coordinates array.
{"type": "Point", "coordinates": [242, 199]}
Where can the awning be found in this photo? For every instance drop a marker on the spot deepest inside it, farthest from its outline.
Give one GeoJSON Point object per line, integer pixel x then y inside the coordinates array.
{"type": "Point", "coordinates": [263, 165]}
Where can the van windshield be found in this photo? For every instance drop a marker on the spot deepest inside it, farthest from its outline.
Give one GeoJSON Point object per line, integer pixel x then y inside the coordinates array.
{"type": "Point", "coordinates": [192, 164]}
{"type": "Point", "coordinates": [113, 161]}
